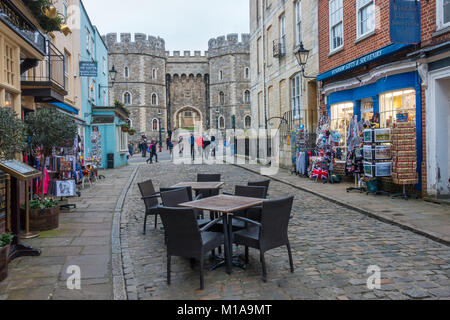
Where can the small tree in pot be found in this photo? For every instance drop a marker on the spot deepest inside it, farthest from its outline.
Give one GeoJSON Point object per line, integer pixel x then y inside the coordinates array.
{"type": "Point", "coordinates": [12, 134]}
{"type": "Point", "coordinates": [5, 241]}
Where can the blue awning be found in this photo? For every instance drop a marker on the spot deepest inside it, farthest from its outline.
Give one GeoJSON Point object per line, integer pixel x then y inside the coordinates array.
{"type": "Point", "coordinates": [65, 107]}
{"type": "Point", "coordinates": [364, 60]}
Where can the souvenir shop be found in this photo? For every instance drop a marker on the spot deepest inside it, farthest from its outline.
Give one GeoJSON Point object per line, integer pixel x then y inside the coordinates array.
{"type": "Point", "coordinates": [372, 136]}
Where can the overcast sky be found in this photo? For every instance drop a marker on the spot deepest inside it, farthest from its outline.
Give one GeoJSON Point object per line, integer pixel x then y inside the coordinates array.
{"type": "Point", "coordinates": [183, 24]}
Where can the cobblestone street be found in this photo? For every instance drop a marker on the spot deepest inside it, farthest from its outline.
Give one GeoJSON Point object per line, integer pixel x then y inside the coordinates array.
{"type": "Point", "coordinates": [332, 247]}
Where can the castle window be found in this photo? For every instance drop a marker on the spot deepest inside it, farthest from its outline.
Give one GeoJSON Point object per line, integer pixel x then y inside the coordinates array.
{"type": "Point", "coordinates": [247, 97]}
{"type": "Point", "coordinates": [221, 122]}
{"type": "Point", "coordinates": [222, 98]}
{"type": "Point", "coordinates": [127, 98]}
{"type": "Point", "coordinates": [127, 72]}
{"type": "Point", "coordinates": [248, 122]}
{"type": "Point", "coordinates": [154, 74]}
{"type": "Point", "coordinates": [247, 73]}
{"type": "Point", "coordinates": [155, 125]}
{"type": "Point", "coordinates": [154, 99]}
{"type": "Point", "coordinates": [220, 75]}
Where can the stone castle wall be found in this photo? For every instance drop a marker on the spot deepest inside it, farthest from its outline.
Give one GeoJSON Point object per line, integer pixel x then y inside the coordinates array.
{"type": "Point", "coordinates": [184, 83]}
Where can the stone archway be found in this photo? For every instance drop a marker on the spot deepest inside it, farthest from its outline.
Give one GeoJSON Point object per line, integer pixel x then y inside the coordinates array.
{"type": "Point", "coordinates": [187, 118]}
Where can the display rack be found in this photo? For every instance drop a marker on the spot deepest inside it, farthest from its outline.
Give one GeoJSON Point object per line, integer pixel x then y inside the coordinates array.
{"type": "Point", "coordinates": [377, 154]}
{"type": "Point", "coordinates": [405, 158]}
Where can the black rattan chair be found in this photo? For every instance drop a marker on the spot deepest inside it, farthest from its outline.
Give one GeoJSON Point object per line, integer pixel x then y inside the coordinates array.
{"type": "Point", "coordinates": [181, 195]}
{"type": "Point", "coordinates": [270, 233]}
{"type": "Point", "coordinates": [186, 239]}
{"type": "Point", "coordinates": [262, 183]}
{"type": "Point", "coordinates": [150, 197]}
{"type": "Point", "coordinates": [203, 177]}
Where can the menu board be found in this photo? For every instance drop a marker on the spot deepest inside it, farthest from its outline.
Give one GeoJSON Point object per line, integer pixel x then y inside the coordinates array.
{"type": "Point", "coordinates": [19, 170]}
{"type": "Point", "coordinates": [96, 145]}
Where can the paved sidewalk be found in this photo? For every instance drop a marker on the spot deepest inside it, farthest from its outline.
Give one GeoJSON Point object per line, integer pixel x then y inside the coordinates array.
{"type": "Point", "coordinates": [83, 239]}
{"type": "Point", "coordinates": [428, 219]}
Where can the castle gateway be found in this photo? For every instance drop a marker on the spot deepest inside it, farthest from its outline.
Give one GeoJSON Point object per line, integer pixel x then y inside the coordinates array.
{"type": "Point", "coordinates": [174, 91]}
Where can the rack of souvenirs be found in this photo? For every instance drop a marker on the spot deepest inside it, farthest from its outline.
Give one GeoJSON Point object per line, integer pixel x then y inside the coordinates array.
{"type": "Point", "coordinates": [377, 153]}
{"type": "Point", "coordinates": [405, 157]}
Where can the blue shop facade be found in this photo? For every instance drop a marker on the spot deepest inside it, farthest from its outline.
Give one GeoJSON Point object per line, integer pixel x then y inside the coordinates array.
{"type": "Point", "coordinates": [104, 141]}
{"type": "Point", "coordinates": [375, 84]}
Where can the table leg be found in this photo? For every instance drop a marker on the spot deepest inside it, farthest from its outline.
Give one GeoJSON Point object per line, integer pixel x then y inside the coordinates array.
{"type": "Point", "coordinates": [227, 244]}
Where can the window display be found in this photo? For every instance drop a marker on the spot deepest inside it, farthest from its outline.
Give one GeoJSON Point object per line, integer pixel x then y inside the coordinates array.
{"type": "Point", "coordinates": [392, 103]}
{"type": "Point", "coordinates": [341, 115]}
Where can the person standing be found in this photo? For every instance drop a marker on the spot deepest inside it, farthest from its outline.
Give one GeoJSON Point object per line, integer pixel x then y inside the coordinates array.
{"type": "Point", "coordinates": [153, 152]}
{"type": "Point", "coordinates": [150, 159]}
{"type": "Point", "coordinates": [192, 142]}
{"type": "Point", "coordinates": [144, 148]}
{"type": "Point", "coordinates": [130, 149]}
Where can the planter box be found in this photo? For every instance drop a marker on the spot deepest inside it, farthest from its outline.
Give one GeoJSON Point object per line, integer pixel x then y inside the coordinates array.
{"type": "Point", "coordinates": [42, 220]}
{"type": "Point", "coordinates": [4, 257]}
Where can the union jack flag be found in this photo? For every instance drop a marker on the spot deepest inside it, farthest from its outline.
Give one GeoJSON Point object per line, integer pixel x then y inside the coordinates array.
{"type": "Point", "coordinates": [319, 174]}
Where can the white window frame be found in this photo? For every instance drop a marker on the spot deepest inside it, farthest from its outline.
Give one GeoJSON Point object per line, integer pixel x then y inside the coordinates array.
{"type": "Point", "coordinates": [298, 22]}
{"type": "Point", "coordinates": [122, 142]}
{"type": "Point", "coordinates": [440, 16]}
{"type": "Point", "coordinates": [361, 5]}
{"type": "Point", "coordinates": [154, 94]}
{"type": "Point", "coordinates": [92, 92]}
{"type": "Point", "coordinates": [283, 34]}
{"type": "Point", "coordinates": [124, 100]}
{"type": "Point", "coordinates": [104, 66]}
{"type": "Point", "coordinates": [66, 8]}
{"type": "Point", "coordinates": [67, 71]}
{"type": "Point", "coordinates": [88, 40]}
{"type": "Point", "coordinates": [336, 23]}
{"type": "Point", "coordinates": [296, 96]}
{"type": "Point", "coordinates": [105, 96]}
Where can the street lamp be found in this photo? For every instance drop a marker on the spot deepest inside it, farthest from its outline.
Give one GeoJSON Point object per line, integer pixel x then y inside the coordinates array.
{"type": "Point", "coordinates": [302, 55]}
{"type": "Point", "coordinates": [112, 77]}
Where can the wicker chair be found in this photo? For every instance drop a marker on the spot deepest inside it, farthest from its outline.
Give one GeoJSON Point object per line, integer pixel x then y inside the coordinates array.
{"type": "Point", "coordinates": [150, 197]}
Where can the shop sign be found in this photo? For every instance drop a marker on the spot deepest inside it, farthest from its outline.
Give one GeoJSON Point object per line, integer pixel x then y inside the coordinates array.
{"type": "Point", "coordinates": [14, 19]}
{"type": "Point", "coordinates": [102, 119]}
{"type": "Point", "coordinates": [364, 60]}
{"type": "Point", "coordinates": [402, 117]}
{"type": "Point", "coordinates": [405, 21]}
{"type": "Point", "coordinates": [88, 69]}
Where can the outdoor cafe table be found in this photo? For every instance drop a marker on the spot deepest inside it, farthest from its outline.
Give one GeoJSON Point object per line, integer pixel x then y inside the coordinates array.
{"type": "Point", "coordinates": [227, 205]}
{"type": "Point", "coordinates": [200, 186]}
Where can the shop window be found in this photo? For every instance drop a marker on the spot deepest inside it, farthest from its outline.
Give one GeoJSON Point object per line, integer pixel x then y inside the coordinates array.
{"type": "Point", "coordinates": [366, 17]}
{"type": "Point", "coordinates": [341, 115]}
{"type": "Point", "coordinates": [367, 110]}
{"type": "Point", "coordinates": [296, 88]}
{"type": "Point", "coordinates": [392, 103]}
{"type": "Point", "coordinates": [336, 24]}
{"type": "Point", "coordinates": [123, 141]}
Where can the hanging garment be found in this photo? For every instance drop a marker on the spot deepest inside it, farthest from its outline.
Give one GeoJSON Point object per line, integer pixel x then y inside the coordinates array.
{"type": "Point", "coordinates": [46, 181]}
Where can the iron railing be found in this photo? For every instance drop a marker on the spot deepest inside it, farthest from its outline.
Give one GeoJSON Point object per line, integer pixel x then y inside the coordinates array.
{"type": "Point", "coordinates": [50, 70]}
{"type": "Point", "coordinates": [279, 48]}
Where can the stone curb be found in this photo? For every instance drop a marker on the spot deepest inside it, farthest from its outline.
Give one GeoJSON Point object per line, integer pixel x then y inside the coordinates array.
{"type": "Point", "coordinates": [383, 218]}
{"type": "Point", "coordinates": [119, 290]}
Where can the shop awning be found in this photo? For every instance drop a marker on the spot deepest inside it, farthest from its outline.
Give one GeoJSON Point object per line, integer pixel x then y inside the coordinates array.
{"type": "Point", "coordinates": [66, 107]}
{"type": "Point", "coordinates": [364, 60]}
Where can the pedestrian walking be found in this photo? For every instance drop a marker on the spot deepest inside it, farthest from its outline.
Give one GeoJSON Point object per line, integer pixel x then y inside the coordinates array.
{"type": "Point", "coordinates": [144, 148]}
{"type": "Point", "coordinates": [170, 144]}
{"type": "Point", "coordinates": [167, 142]}
{"type": "Point", "coordinates": [130, 149]}
{"type": "Point", "coordinates": [192, 146]}
{"type": "Point", "coordinates": [150, 159]}
{"type": "Point", "coordinates": [199, 143]}
{"type": "Point", "coordinates": [153, 153]}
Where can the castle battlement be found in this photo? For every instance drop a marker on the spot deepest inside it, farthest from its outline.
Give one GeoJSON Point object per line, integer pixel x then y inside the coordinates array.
{"type": "Point", "coordinates": [186, 54]}
{"type": "Point", "coordinates": [142, 43]}
{"type": "Point", "coordinates": [229, 44]}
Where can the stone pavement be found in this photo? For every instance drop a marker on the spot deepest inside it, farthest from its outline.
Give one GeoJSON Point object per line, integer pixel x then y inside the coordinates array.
{"type": "Point", "coordinates": [426, 218]}
{"type": "Point", "coordinates": [333, 246]}
{"type": "Point", "coordinates": [83, 239]}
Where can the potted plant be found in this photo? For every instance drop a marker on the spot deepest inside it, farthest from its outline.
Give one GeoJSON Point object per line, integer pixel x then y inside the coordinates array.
{"type": "Point", "coordinates": [46, 15]}
{"type": "Point", "coordinates": [131, 132]}
{"type": "Point", "coordinates": [12, 134]}
{"type": "Point", "coordinates": [44, 214]}
{"type": "Point", "coordinates": [5, 241]}
{"type": "Point", "coordinates": [125, 127]}
{"type": "Point", "coordinates": [122, 107]}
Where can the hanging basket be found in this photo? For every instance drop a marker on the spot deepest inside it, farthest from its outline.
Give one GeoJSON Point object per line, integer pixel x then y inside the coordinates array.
{"type": "Point", "coordinates": [124, 129]}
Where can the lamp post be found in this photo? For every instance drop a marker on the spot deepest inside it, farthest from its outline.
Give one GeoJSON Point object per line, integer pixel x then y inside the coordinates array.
{"type": "Point", "coordinates": [160, 131]}
{"type": "Point", "coordinates": [302, 55]}
{"type": "Point", "coordinates": [112, 77]}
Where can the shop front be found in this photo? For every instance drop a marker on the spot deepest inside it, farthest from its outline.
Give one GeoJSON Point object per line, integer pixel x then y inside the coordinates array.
{"type": "Point", "coordinates": [390, 102]}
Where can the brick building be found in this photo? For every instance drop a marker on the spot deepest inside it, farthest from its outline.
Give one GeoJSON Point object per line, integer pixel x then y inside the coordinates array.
{"type": "Point", "coordinates": [362, 72]}
{"type": "Point", "coordinates": [209, 90]}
